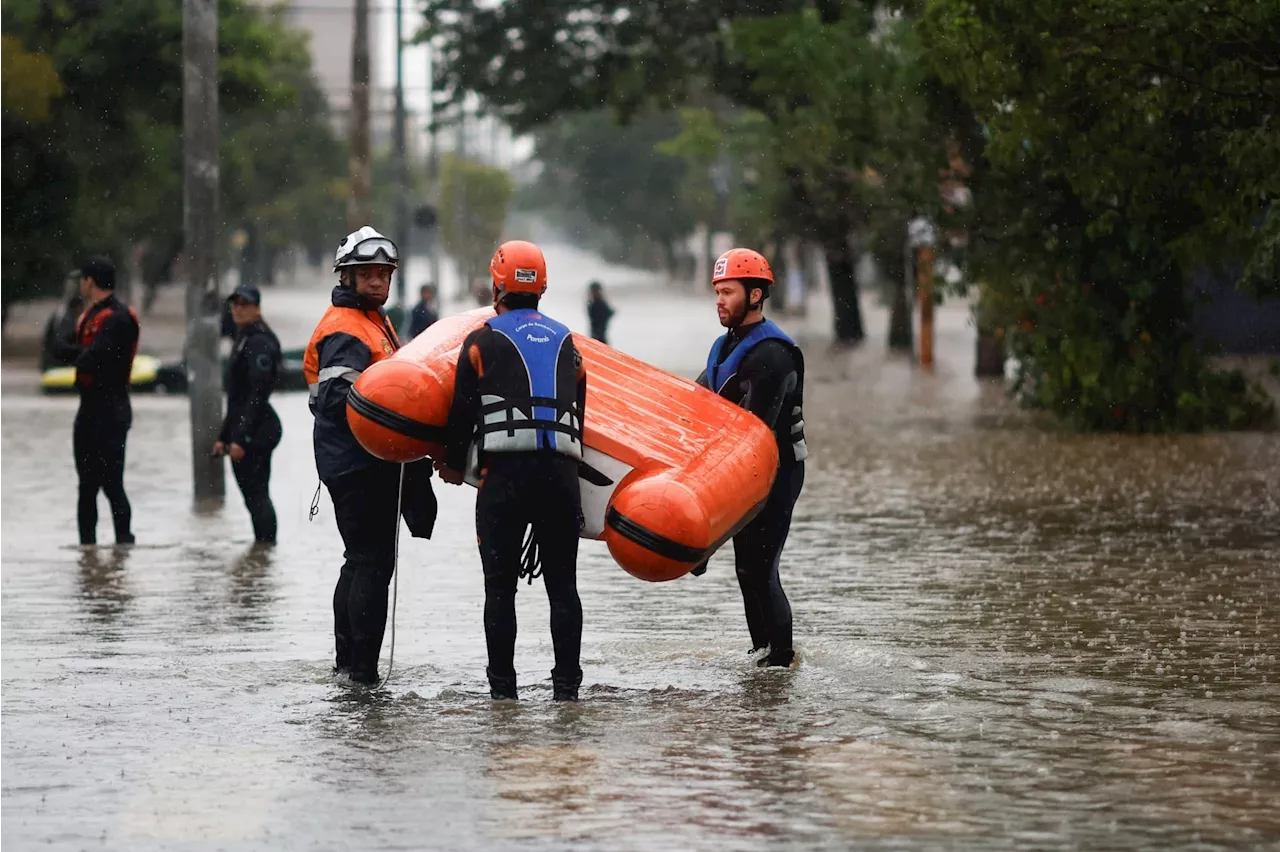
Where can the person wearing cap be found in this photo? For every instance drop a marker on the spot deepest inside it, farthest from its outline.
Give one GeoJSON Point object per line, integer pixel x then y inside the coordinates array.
{"type": "Point", "coordinates": [251, 430]}
{"type": "Point", "coordinates": [102, 349]}
{"type": "Point", "coordinates": [516, 424]}
{"type": "Point", "coordinates": [354, 334]}
{"type": "Point", "coordinates": [757, 366]}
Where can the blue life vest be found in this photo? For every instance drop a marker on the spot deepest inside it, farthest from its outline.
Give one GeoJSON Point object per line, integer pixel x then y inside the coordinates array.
{"type": "Point", "coordinates": [535, 408]}
{"type": "Point", "coordinates": [718, 375]}
{"type": "Point", "coordinates": [790, 426]}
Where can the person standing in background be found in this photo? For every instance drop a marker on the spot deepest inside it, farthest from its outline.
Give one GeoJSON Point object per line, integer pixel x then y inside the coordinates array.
{"type": "Point", "coordinates": [599, 312]}
{"type": "Point", "coordinates": [424, 313]}
{"type": "Point", "coordinates": [251, 430]}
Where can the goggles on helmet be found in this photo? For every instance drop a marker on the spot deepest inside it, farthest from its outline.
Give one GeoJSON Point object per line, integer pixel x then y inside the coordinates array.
{"type": "Point", "coordinates": [374, 250]}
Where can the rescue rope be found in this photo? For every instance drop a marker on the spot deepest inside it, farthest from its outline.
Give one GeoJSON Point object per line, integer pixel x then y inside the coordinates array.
{"type": "Point", "coordinates": [530, 557]}
{"type": "Point", "coordinates": [395, 578]}
{"type": "Point", "coordinates": [315, 504]}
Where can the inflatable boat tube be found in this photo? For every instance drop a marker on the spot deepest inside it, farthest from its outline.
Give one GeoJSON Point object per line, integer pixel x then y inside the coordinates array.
{"type": "Point", "coordinates": [142, 376]}
{"type": "Point", "coordinates": [670, 470]}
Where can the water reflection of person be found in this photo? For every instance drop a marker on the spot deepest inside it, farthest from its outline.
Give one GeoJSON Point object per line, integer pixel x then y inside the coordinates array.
{"type": "Point", "coordinates": [102, 582]}
{"type": "Point", "coordinates": [250, 588]}
{"type": "Point", "coordinates": [758, 367]}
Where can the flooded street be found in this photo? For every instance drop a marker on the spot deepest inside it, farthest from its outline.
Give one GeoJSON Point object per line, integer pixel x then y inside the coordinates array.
{"type": "Point", "coordinates": [1010, 637]}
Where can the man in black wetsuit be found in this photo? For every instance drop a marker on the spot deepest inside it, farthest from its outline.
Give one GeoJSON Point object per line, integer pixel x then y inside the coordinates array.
{"type": "Point", "coordinates": [251, 430]}
{"type": "Point", "coordinates": [105, 342]}
{"type": "Point", "coordinates": [757, 366]}
{"type": "Point", "coordinates": [519, 397]}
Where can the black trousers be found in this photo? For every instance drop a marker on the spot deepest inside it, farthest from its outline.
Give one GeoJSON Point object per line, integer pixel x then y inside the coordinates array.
{"type": "Point", "coordinates": [364, 504]}
{"type": "Point", "coordinates": [757, 551]}
{"type": "Point", "coordinates": [98, 440]}
{"type": "Point", "coordinates": [519, 490]}
{"type": "Point", "coordinates": [253, 475]}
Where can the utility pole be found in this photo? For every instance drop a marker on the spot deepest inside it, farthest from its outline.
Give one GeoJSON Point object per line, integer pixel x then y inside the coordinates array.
{"type": "Point", "coordinates": [462, 218]}
{"type": "Point", "coordinates": [200, 227]}
{"type": "Point", "coordinates": [358, 200]}
{"type": "Point", "coordinates": [434, 168]}
{"type": "Point", "coordinates": [402, 170]}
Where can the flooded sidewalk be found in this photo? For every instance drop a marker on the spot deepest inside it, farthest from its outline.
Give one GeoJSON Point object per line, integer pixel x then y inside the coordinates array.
{"type": "Point", "coordinates": [1010, 637]}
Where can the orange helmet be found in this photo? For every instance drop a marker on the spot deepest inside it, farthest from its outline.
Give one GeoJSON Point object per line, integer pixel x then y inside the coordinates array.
{"type": "Point", "coordinates": [741, 263]}
{"type": "Point", "coordinates": [519, 267]}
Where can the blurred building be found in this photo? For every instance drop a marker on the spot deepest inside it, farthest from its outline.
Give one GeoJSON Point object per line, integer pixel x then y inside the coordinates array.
{"type": "Point", "coordinates": [329, 25]}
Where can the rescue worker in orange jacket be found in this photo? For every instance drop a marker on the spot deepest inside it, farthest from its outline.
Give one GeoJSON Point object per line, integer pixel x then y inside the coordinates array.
{"type": "Point", "coordinates": [353, 335]}
{"type": "Point", "coordinates": [518, 403]}
{"type": "Point", "coordinates": [106, 341]}
{"type": "Point", "coordinates": [757, 366]}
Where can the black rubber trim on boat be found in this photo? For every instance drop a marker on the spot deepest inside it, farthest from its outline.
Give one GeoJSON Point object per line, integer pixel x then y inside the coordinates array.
{"type": "Point", "coordinates": [398, 423]}
{"type": "Point", "coordinates": [665, 547]}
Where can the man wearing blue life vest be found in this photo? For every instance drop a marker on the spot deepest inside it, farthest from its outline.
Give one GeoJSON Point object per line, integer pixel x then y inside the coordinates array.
{"type": "Point", "coordinates": [759, 367]}
{"type": "Point", "coordinates": [516, 421]}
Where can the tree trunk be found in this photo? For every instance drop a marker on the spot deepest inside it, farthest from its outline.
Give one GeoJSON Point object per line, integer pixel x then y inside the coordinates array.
{"type": "Point", "coordinates": [990, 355]}
{"type": "Point", "coordinates": [844, 289]}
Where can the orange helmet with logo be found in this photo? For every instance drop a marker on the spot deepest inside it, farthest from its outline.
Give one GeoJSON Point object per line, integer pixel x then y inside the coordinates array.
{"type": "Point", "coordinates": [519, 267]}
{"type": "Point", "coordinates": [741, 263]}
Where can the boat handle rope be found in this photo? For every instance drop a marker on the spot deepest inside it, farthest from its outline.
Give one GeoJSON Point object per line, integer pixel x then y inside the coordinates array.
{"type": "Point", "coordinates": [530, 557]}
{"type": "Point", "coordinates": [395, 578]}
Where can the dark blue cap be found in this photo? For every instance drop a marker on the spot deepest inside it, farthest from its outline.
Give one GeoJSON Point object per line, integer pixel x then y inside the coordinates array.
{"type": "Point", "coordinates": [247, 293]}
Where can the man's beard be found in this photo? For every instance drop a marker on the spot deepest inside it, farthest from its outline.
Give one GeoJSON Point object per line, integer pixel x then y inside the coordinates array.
{"type": "Point", "coordinates": [736, 317]}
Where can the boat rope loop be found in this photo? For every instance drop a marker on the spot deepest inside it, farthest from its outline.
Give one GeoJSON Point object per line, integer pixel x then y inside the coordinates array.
{"type": "Point", "coordinates": [395, 578]}
{"type": "Point", "coordinates": [530, 557]}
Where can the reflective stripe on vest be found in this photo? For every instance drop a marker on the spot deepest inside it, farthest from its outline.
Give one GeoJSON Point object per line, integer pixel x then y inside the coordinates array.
{"type": "Point", "coordinates": [548, 417]}
{"type": "Point", "coordinates": [376, 334]}
{"type": "Point", "coordinates": [719, 375]}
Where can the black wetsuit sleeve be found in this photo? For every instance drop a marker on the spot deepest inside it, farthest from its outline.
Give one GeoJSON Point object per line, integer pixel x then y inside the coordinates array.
{"type": "Point", "coordinates": [64, 346]}
{"type": "Point", "coordinates": [461, 427]}
{"type": "Point", "coordinates": [703, 380]}
{"type": "Point", "coordinates": [767, 374]}
{"type": "Point", "coordinates": [342, 358]}
{"type": "Point", "coordinates": [262, 361]}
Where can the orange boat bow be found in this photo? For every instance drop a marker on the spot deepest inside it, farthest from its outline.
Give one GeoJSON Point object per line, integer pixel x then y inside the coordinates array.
{"type": "Point", "coordinates": [670, 470]}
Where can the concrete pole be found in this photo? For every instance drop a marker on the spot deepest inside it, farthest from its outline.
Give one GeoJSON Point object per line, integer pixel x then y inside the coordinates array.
{"type": "Point", "coordinates": [200, 226]}
{"type": "Point", "coordinates": [358, 199]}
{"type": "Point", "coordinates": [402, 171]}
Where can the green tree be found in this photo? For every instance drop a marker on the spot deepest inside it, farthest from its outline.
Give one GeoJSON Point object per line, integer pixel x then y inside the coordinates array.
{"type": "Point", "coordinates": [102, 172]}
{"type": "Point", "coordinates": [474, 200]}
{"type": "Point", "coordinates": [601, 176]}
{"type": "Point", "coordinates": [1126, 144]}
{"type": "Point", "coordinates": [531, 62]}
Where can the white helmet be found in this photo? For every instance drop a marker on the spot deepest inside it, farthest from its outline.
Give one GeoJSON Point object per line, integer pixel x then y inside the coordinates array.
{"type": "Point", "coordinates": [366, 247]}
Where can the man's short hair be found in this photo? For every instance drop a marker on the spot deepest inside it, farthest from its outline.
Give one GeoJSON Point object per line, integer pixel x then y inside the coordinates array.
{"type": "Point", "coordinates": [520, 301]}
{"type": "Point", "coordinates": [101, 270]}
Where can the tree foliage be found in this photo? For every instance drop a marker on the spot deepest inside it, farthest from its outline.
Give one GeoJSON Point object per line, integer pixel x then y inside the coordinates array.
{"type": "Point", "coordinates": [100, 170]}
{"type": "Point", "coordinates": [479, 197]}
{"type": "Point", "coordinates": [1127, 144]}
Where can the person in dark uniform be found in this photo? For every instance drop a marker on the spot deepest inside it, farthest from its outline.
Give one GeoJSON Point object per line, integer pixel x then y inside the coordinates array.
{"type": "Point", "coordinates": [105, 343]}
{"type": "Point", "coordinates": [757, 366]}
{"type": "Point", "coordinates": [251, 430]}
{"type": "Point", "coordinates": [519, 397]}
{"type": "Point", "coordinates": [599, 312]}
{"type": "Point", "coordinates": [354, 334]}
{"type": "Point", "coordinates": [424, 313]}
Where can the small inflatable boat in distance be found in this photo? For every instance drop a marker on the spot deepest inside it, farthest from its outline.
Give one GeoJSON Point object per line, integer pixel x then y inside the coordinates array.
{"type": "Point", "coordinates": [670, 470]}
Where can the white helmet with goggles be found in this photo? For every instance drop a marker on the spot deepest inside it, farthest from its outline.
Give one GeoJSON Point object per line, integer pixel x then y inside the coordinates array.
{"type": "Point", "coordinates": [366, 247]}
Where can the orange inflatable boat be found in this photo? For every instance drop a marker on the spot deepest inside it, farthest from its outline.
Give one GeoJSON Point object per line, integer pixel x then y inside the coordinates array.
{"type": "Point", "coordinates": [670, 470]}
